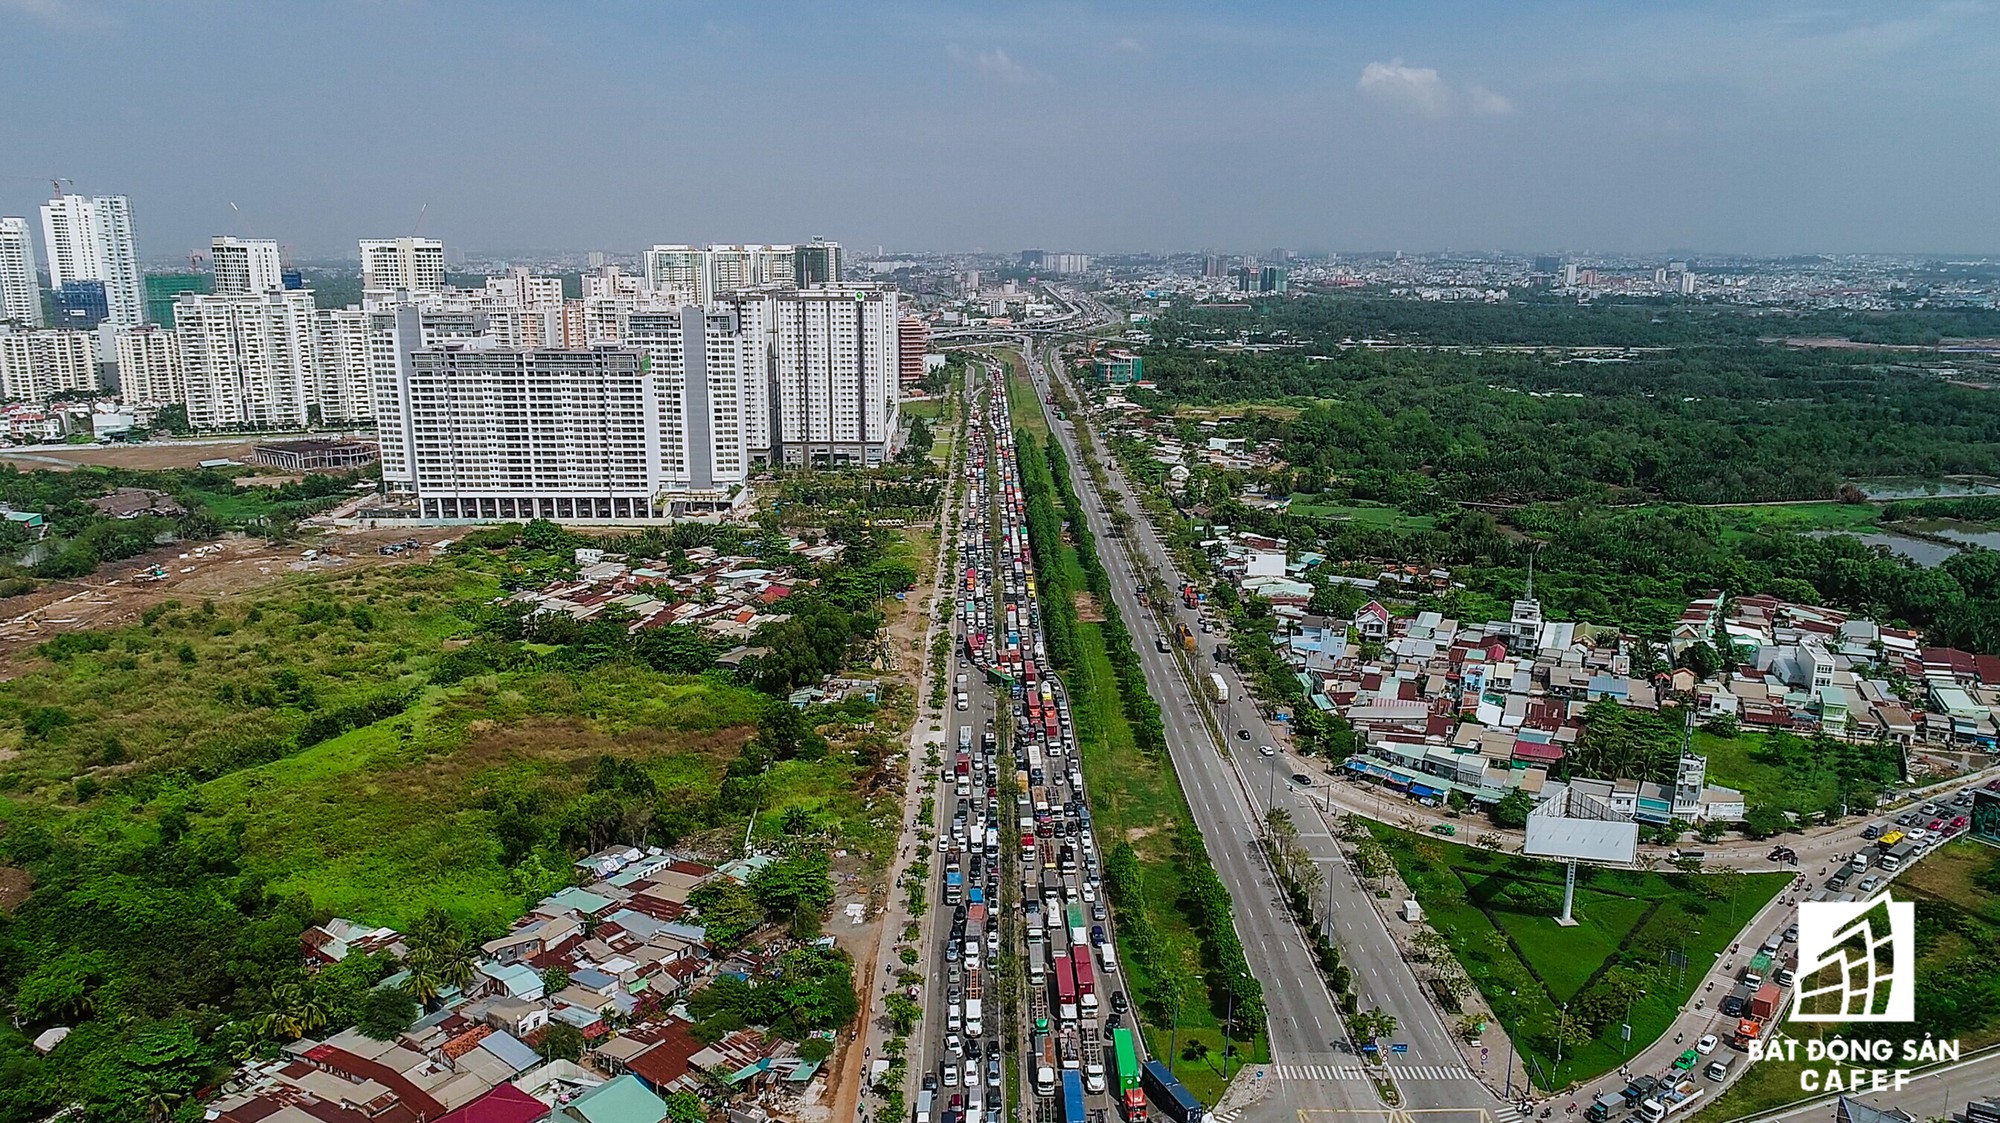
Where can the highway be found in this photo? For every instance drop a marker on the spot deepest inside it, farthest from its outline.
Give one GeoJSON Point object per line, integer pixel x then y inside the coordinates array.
{"type": "Point", "coordinates": [1306, 1035]}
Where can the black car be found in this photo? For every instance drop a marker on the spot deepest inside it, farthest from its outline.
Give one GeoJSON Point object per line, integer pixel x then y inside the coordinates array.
{"type": "Point", "coordinates": [1118, 1002]}
{"type": "Point", "coordinates": [930, 1082]}
{"type": "Point", "coordinates": [1243, 735]}
{"type": "Point", "coordinates": [1731, 1007]}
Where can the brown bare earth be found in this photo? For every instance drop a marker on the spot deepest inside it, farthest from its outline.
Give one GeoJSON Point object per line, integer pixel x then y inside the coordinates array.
{"type": "Point", "coordinates": [147, 456]}
{"type": "Point", "coordinates": [15, 883]}
{"type": "Point", "coordinates": [1088, 611]}
{"type": "Point", "coordinates": [117, 593]}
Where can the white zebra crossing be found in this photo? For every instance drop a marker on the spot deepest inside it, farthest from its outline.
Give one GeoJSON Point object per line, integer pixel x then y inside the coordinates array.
{"type": "Point", "coordinates": [1356, 1072]}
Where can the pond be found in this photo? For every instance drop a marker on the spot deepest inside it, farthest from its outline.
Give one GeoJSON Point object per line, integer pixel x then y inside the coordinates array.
{"type": "Point", "coordinates": [1922, 551]}
{"type": "Point", "coordinates": [1913, 487]}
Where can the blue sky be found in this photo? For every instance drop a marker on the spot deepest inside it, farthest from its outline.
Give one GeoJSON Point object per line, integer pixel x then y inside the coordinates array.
{"type": "Point", "coordinates": [1768, 128]}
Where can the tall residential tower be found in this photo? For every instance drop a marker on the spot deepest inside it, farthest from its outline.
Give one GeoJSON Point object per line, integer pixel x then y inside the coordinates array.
{"type": "Point", "coordinates": [89, 238]}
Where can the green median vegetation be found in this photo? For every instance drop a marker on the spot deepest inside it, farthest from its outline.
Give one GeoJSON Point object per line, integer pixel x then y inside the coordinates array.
{"type": "Point", "coordinates": [1175, 921]}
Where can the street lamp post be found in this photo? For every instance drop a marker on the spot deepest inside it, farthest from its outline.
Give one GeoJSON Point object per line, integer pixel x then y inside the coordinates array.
{"type": "Point", "coordinates": [1625, 1045]}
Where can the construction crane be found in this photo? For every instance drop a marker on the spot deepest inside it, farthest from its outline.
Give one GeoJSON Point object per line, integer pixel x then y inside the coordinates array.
{"type": "Point", "coordinates": [419, 227]}
{"type": "Point", "coordinates": [57, 182]}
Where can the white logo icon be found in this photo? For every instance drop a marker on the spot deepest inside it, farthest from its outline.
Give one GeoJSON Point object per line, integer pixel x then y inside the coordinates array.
{"type": "Point", "coordinates": [1857, 961]}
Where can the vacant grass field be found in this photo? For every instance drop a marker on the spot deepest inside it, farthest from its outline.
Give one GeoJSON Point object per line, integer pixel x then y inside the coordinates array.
{"type": "Point", "coordinates": [1021, 399]}
{"type": "Point", "coordinates": [1371, 515]}
{"type": "Point", "coordinates": [1958, 982]}
{"type": "Point", "coordinates": [1745, 520]}
{"type": "Point", "coordinates": [200, 708]}
{"type": "Point", "coordinates": [1771, 770]}
{"type": "Point", "coordinates": [1498, 912]}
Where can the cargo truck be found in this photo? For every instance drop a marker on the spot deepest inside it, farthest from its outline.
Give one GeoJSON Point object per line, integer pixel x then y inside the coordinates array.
{"type": "Point", "coordinates": [1764, 1003]}
{"type": "Point", "coordinates": [1072, 1086]}
{"type": "Point", "coordinates": [1170, 1095]}
{"type": "Point", "coordinates": [1045, 1064]}
{"type": "Point", "coordinates": [1218, 689]}
{"type": "Point", "coordinates": [1757, 969]}
{"type": "Point", "coordinates": [1131, 1099]}
{"type": "Point", "coordinates": [1671, 1102]}
{"type": "Point", "coordinates": [1086, 980]}
{"type": "Point", "coordinates": [922, 1114]}
{"type": "Point", "coordinates": [975, 1025]}
{"type": "Point", "coordinates": [1600, 1109]}
{"type": "Point", "coordinates": [1066, 991]}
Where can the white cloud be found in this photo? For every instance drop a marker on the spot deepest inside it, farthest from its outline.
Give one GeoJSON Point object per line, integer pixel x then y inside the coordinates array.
{"type": "Point", "coordinates": [1415, 88]}
{"type": "Point", "coordinates": [998, 64]}
{"type": "Point", "coordinates": [1128, 45]}
{"type": "Point", "coordinates": [1486, 103]}
{"type": "Point", "coordinates": [1420, 89]}
{"type": "Point", "coordinates": [63, 14]}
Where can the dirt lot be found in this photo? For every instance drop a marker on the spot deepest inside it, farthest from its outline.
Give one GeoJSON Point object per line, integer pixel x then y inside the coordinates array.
{"type": "Point", "coordinates": [153, 455]}
{"type": "Point", "coordinates": [117, 593]}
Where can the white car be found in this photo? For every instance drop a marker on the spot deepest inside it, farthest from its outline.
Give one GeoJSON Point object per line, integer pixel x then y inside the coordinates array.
{"type": "Point", "coordinates": [951, 1074]}
{"type": "Point", "coordinates": [954, 1045]}
{"type": "Point", "coordinates": [971, 1073]}
{"type": "Point", "coordinates": [1089, 893]}
{"type": "Point", "coordinates": [1706, 1045]}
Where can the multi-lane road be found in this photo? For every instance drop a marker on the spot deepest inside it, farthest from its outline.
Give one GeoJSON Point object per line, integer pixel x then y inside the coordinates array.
{"type": "Point", "coordinates": [1023, 938]}
{"type": "Point", "coordinates": [1314, 1065]}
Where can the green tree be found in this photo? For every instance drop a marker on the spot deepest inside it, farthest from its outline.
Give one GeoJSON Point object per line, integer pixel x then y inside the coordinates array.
{"type": "Point", "coordinates": [561, 1041]}
{"type": "Point", "coordinates": [686, 1107]}
{"type": "Point", "coordinates": [555, 980]}
{"type": "Point", "coordinates": [1512, 810]}
{"type": "Point", "coordinates": [903, 1012]}
{"type": "Point", "coordinates": [386, 1012]}
{"type": "Point", "coordinates": [441, 955]}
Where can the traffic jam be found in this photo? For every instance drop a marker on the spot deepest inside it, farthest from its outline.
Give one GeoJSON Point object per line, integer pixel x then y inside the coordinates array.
{"type": "Point", "coordinates": [1076, 1020]}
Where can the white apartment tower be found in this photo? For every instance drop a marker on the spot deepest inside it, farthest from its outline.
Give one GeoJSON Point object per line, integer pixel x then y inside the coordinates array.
{"type": "Point", "coordinates": [702, 274]}
{"type": "Point", "coordinates": [38, 363]}
{"type": "Point", "coordinates": [248, 361]}
{"type": "Point", "coordinates": [149, 367]}
{"type": "Point", "coordinates": [708, 380]}
{"type": "Point", "coordinates": [834, 367]}
{"type": "Point", "coordinates": [344, 388]}
{"type": "Point", "coordinates": [483, 431]}
{"type": "Point", "coordinates": [20, 296]}
{"type": "Point", "coordinates": [89, 238]}
{"type": "Point", "coordinates": [409, 265]}
{"type": "Point", "coordinates": [245, 265]}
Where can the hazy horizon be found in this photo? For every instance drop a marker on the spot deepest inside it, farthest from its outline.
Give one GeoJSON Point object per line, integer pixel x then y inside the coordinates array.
{"type": "Point", "coordinates": [1114, 128]}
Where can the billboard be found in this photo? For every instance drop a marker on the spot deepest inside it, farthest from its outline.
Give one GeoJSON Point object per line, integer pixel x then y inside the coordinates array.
{"type": "Point", "coordinates": [1986, 817]}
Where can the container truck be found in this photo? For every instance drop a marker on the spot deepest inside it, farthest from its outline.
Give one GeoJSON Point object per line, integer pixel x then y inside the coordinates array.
{"type": "Point", "coordinates": [1216, 687]}
{"type": "Point", "coordinates": [1072, 1086]}
{"type": "Point", "coordinates": [1130, 1097]}
{"type": "Point", "coordinates": [1066, 991]}
{"type": "Point", "coordinates": [922, 1114]}
{"type": "Point", "coordinates": [1764, 1003]}
{"type": "Point", "coordinates": [1169, 1095]}
{"type": "Point", "coordinates": [1086, 980]}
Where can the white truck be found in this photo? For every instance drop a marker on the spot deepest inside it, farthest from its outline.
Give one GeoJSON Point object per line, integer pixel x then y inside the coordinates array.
{"type": "Point", "coordinates": [1671, 1102]}
{"type": "Point", "coordinates": [1216, 686]}
{"type": "Point", "coordinates": [975, 1026]}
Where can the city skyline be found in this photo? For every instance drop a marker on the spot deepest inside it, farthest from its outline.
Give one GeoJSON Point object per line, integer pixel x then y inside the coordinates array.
{"type": "Point", "coordinates": [1695, 129]}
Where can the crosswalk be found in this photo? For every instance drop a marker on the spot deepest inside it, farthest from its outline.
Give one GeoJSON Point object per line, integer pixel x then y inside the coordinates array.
{"type": "Point", "coordinates": [1356, 1072]}
{"type": "Point", "coordinates": [1508, 1114]}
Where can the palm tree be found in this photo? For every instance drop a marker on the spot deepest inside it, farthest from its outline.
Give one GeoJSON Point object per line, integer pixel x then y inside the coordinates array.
{"type": "Point", "coordinates": [440, 956]}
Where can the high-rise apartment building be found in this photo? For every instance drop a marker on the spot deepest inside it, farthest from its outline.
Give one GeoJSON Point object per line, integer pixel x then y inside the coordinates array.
{"type": "Point", "coordinates": [912, 341]}
{"type": "Point", "coordinates": [37, 363]}
{"type": "Point", "coordinates": [700, 274]}
{"type": "Point", "coordinates": [81, 305]}
{"type": "Point", "coordinates": [483, 431]}
{"type": "Point", "coordinates": [20, 295]}
{"type": "Point", "coordinates": [149, 367]}
{"type": "Point", "coordinates": [162, 289]}
{"type": "Point", "coordinates": [344, 364]}
{"type": "Point", "coordinates": [248, 361]}
{"type": "Point", "coordinates": [835, 364]}
{"type": "Point", "coordinates": [89, 238]}
{"type": "Point", "coordinates": [818, 263]}
{"type": "Point", "coordinates": [246, 265]}
{"type": "Point", "coordinates": [401, 265]}
{"type": "Point", "coordinates": [709, 394]}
